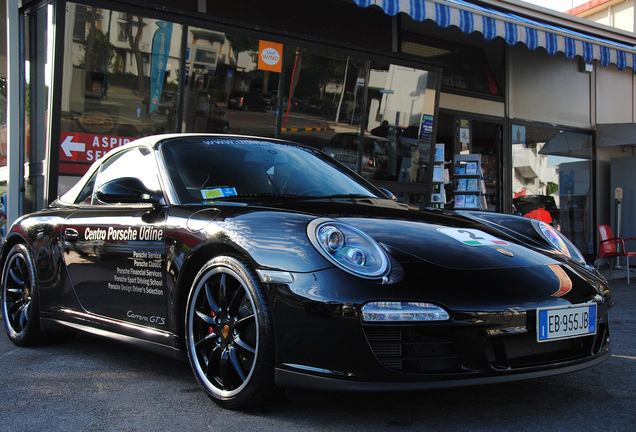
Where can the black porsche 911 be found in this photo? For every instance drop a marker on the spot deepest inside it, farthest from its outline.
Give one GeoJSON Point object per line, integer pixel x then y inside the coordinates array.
{"type": "Point", "coordinates": [270, 265]}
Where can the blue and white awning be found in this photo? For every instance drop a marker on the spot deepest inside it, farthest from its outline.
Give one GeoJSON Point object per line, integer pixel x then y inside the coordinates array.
{"type": "Point", "coordinates": [513, 28]}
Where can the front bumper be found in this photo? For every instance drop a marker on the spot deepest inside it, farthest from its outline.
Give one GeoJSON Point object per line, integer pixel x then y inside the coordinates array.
{"type": "Point", "coordinates": [299, 379]}
{"type": "Point", "coordinates": [323, 344]}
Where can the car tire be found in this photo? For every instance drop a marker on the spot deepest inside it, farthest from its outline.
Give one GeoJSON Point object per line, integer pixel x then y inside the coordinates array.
{"type": "Point", "coordinates": [229, 334]}
{"type": "Point", "coordinates": [20, 299]}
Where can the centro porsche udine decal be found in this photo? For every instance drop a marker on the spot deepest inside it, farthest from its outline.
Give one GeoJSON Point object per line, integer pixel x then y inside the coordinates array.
{"type": "Point", "coordinates": [472, 237]}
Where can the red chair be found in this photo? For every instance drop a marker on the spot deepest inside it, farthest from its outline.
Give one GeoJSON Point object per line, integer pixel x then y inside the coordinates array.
{"type": "Point", "coordinates": [610, 247]}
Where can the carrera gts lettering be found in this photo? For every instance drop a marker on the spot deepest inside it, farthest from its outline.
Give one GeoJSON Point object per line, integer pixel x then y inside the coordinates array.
{"type": "Point", "coordinates": [151, 319]}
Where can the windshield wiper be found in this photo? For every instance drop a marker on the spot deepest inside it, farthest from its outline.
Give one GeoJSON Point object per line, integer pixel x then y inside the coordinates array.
{"type": "Point", "coordinates": [344, 196]}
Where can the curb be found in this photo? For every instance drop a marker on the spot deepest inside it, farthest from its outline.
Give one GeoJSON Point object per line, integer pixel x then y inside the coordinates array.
{"type": "Point", "coordinates": [301, 129]}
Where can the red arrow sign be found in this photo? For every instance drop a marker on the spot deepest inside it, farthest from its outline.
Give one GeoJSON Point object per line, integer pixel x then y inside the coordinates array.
{"type": "Point", "coordinates": [84, 147]}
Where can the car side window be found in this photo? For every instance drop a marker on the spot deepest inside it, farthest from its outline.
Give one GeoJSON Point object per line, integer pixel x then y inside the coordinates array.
{"type": "Point", "coordinates": [85, 196]}
{"type": "Point", "coordinates": [138, 163]}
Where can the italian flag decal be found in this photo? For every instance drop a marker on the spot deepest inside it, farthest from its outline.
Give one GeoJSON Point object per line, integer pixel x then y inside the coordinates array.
{"type": "Point", "coordinates": [472, 237]}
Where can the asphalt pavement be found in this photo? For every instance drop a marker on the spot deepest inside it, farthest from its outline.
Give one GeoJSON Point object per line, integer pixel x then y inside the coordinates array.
{"type": "Point", "coordinates": [88, 384]}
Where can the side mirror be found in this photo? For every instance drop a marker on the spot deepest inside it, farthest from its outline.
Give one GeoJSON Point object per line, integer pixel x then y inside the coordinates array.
{"type": "Point", "coordinates": [127, 190]}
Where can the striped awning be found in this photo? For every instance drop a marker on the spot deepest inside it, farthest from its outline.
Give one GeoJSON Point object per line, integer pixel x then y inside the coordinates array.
{"type": "Point", "coordinates": [513, 28]}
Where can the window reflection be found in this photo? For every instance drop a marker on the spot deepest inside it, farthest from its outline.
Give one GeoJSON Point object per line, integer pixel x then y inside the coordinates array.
{"type": "Point", "coordinates": [227, 169]}
{"type": "Point", "coordinates": [324, 107]}
{"type": "Point", "coordinates": [121, 82]}
{"type": "Point", "coordinates": [553, 167]}
{"type": "Point", "coordinates": [225, 89]}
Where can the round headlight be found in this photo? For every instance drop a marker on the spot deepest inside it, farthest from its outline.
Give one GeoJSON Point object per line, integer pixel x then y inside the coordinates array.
{"type": "Point", "coordinates": [558, 241]}
{"type": "Point", "coordinates": [348, 248]}
{"type": "Point", "coordinates": [554, 237]}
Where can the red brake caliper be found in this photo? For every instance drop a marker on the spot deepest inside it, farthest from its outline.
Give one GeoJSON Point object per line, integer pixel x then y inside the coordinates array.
{"type": "Point", "coordinates": [210, 330]}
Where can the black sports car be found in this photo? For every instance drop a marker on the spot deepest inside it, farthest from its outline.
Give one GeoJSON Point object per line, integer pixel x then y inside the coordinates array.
{"type": "Point", "coordinates": [270, 265]}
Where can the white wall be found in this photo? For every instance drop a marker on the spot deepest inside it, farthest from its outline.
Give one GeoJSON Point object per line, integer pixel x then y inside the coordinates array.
{"type": "Point", "coordinates": [619, 14]}
{"type": "Point", "coordinates": [614, 95]}
{"type": "Point", "coordinates": [624, 15]}
{"type": "Point", "coordinates": [549, 89]}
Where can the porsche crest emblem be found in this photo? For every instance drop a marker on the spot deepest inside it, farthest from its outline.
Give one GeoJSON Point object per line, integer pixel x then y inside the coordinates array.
{"type": "Point", "coordinates": [505, 252]}
{"type": "Point", "coordinates": [225, 331]}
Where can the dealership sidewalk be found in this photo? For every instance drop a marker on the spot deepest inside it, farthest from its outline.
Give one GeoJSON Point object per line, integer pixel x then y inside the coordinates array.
{"type": "Point", "coordinates": [619, 274]}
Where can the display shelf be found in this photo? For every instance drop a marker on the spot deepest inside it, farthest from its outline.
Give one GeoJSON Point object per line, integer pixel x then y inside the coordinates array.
{"type": "Point", "coordinates": [468, 183]}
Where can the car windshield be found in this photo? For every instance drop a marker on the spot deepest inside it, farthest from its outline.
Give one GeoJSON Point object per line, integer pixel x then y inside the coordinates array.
{"type": "Point", "coordinates": [218, 168]}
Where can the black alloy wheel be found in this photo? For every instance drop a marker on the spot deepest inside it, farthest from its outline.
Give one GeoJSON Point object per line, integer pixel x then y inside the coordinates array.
{"type": "Point", "coordinates": [229, 334]}
{"type": "Point", "coordinates": [19, 295]}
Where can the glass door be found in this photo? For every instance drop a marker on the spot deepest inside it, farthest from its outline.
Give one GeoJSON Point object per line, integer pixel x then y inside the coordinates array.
{"type": "Point", "coordinates": [553, 167]}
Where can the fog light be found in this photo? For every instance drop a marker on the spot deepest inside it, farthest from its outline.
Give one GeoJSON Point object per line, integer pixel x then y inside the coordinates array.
{"type": "Point", "coordinates": [403, 311]}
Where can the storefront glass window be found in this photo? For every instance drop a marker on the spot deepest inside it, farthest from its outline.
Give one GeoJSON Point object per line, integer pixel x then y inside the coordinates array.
{"type": "Point", "coordinates": [121, 82]}
{"type": "Point", "coordinates": [553, 168]}
{"type": "Point", "coordinates": [461, 134]}
{"type": "Point", "coordinates": [121, 79]}
{"type": "Point", "coordinates": [228, 86]}
{"type": "Point", "coordinates": [325, 106]}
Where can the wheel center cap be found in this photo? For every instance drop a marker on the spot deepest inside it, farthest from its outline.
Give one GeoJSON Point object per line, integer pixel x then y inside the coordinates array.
{"type": "Point", "coordinates": [225, 331]}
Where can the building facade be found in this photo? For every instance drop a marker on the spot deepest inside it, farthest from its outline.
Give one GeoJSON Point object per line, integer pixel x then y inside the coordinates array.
{"type": "Point", "coordinates": [614, 146]}
{"type": "Point", "coordinates": [614, 13]}
{"type": "Point", "coordinates": [406, 93]}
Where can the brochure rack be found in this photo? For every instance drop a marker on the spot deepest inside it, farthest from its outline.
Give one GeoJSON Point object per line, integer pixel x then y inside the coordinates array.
{"type": "Point", "coordinates": [467, 182]}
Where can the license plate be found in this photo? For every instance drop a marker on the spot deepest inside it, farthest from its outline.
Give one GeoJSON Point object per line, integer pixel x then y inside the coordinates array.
{"type": "Point", "coordinates": [566, 322]}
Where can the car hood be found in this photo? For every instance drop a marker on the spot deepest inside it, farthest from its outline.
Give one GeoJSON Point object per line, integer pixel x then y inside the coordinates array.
{"type": "Point", "coordinates": [448, 245]}
{"type": "Point", "coordinates": [409, 234]}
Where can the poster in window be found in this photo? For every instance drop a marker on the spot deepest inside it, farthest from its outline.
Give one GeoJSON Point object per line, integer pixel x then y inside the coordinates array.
{"type": "Point", "coordinates": [437, 174]}
{"type": "Point", "coordinates": [270, 56]}
{"type": "Point", "coordinates": [439, 152]}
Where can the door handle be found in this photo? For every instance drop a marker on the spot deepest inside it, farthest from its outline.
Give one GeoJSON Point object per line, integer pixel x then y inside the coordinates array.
{"type": "Point", "coordinates": [71, 235]}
